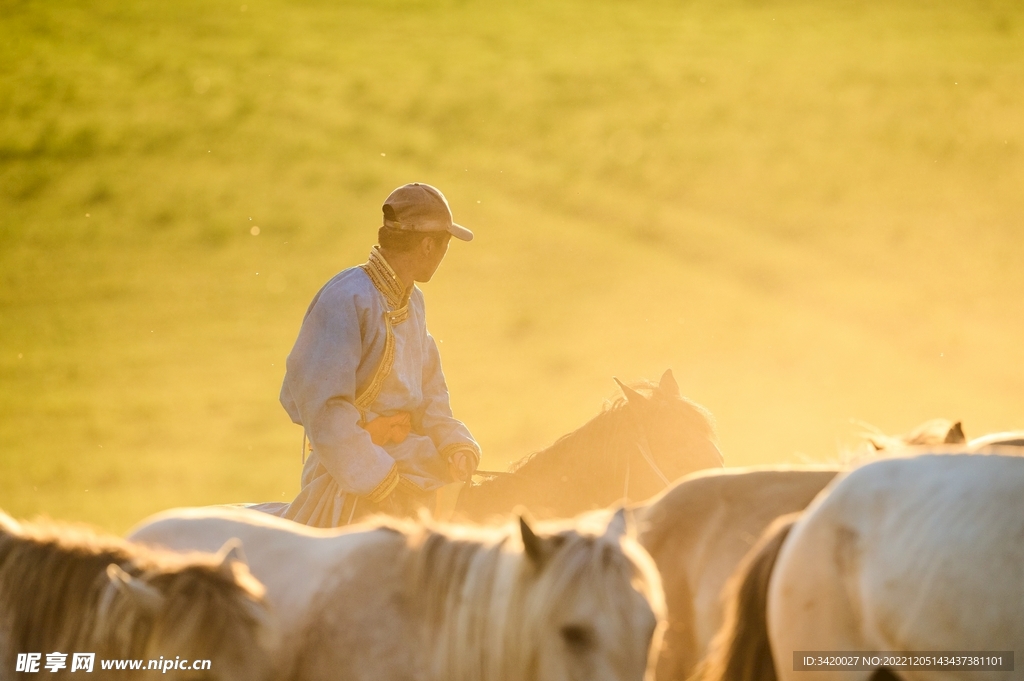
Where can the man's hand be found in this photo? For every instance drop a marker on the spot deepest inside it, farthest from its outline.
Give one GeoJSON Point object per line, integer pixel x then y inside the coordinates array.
{"type": "Point", "coordinates": [462, 464]}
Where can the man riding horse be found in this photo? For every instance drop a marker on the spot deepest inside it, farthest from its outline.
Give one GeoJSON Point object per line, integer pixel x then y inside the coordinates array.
{"type": "Point", "coordinates": [364, 378]}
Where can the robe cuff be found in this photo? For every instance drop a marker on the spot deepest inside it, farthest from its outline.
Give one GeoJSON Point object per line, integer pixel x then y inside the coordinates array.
{"type": "Point", "coordinates": [449, 450]}
{"type": "Point", "coordinates": [386, 486]}
{"type": "Point", "coordinates": [409, 487]}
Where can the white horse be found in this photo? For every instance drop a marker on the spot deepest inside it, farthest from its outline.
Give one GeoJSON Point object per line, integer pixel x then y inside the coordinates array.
{"type": "Point", "coordinates": [698, 531]}
{"type": "Point", "coordinates": [69, 589]}
{"type": "Point", "coordinates": [901, 555]}
{"type": "Point", "coordinates": [1012, 438]}
{"type": "Point", "coordinates": [398, 600]}
{"type": "Point", "coordinates": [942, 431]}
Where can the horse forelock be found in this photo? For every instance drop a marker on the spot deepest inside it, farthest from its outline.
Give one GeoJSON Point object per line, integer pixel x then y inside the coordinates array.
{"type": "Point", "coordinates": [695, 417]}
{"type": "Point", "coordinates": [55, 593]}
{"type": "Point", "coordinates": [214, 612]}
{"type": "Point", "coordinates": [610, 579]}
{"type": "Point", "coordinates": [601, 566]}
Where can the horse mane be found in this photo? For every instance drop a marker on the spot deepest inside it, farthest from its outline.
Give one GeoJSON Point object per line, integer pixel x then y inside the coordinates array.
{"type": "Point", "coordinates": [668, 434]}
{"type": "Point", "coordinates": [483, 601]}
{"type": "Point", "coordinates": [933, 432]}
{"type": "Point", "coordinates": [55, 594]}
{"type": "Point", "coordinates": [592, 435]}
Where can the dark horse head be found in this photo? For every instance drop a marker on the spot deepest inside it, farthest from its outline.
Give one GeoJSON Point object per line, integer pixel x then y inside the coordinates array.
{"type": "Point", "coordinates": [632, 450]}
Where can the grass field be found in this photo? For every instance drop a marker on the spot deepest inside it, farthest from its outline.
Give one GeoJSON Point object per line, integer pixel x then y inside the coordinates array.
{"type": "Point", "coordinates": [811, 211]}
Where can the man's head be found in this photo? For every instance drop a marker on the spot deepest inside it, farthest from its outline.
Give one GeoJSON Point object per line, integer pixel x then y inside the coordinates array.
{"type": "Point", "coordinates": [420, 252]}
{"type": "Point", "coordinates": [418, 207]}
{"type": "Point", "coordinates": [417, 228]}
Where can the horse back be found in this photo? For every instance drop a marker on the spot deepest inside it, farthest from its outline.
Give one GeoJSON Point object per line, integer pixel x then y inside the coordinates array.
{"type": "Point", "coordinates": [698, 532]}
{"type": "Point", "coordinates": [905, 554]}
{"type": "Point", "coordinates": [294, 562]}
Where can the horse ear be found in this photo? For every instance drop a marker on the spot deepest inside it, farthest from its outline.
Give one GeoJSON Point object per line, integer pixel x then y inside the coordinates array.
{"type": "Point", "coordinates": [531, 542]}
{"type": "Point", "coordinates": [230, 552]}
{"type": "Point", "coordinates": [955, 435]}
{"type": "Point", "coordinates": [632, 396]}
{"type": "Point", "coordinates": [668, 386]}
{"type": "Point", "coordinates": [144, 595]}
{"type": "Point", "coordinates": [533, 545]}
{"type": "Point", "coordinates": [618, 526]}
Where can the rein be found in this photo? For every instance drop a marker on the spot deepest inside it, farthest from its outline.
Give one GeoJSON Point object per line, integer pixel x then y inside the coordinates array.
{"type": "Point", "coordinates": [498, 474]}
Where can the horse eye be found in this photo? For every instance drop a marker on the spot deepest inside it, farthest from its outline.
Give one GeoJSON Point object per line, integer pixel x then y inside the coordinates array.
{"type": "Point", "coordinates": [577, 637]}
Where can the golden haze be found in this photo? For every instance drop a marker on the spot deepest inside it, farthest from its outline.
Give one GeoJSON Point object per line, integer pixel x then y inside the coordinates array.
{"type": "Point", "coordinates": [810, 211]}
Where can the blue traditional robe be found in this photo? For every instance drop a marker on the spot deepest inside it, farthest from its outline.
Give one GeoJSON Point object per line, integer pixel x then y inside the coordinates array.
{"type": "Point", "coordinates": [363, 351]}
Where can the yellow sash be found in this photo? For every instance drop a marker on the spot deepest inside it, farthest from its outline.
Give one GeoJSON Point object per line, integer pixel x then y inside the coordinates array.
{"type": "Point", "coordinates": [386, 429]}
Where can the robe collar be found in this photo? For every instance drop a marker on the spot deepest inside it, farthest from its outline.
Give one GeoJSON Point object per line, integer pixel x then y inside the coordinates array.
{"type": "Point", "coordinates": [385, 280]}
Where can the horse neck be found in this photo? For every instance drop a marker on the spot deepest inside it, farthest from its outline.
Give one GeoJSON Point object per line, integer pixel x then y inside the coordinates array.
{"type": "Point", "coordinates": [468, 594]}
{"type": "Point", "coordinates": [588, 458]}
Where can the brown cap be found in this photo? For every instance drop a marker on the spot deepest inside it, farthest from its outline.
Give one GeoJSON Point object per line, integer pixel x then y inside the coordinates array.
{"type": "Point", "coordinates": [418, 207]}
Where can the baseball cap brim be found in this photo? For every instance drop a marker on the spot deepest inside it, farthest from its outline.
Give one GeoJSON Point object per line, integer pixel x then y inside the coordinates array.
{"type": "Point", "coordinates": [460, 232]}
